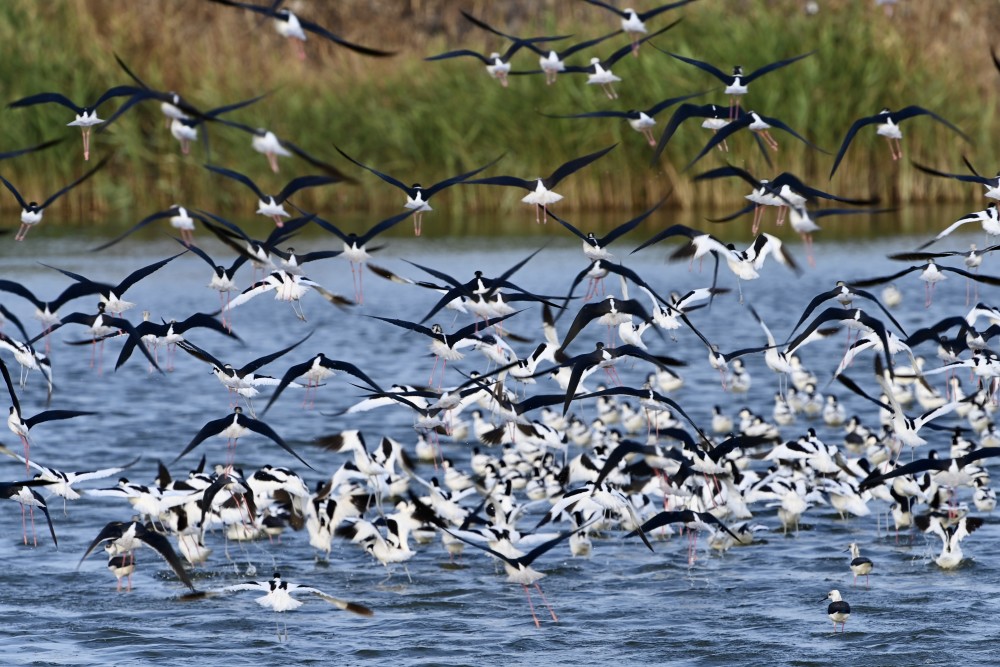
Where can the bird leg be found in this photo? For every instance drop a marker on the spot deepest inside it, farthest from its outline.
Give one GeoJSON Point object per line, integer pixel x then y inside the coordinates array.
{"type": "Point", "coordinates": [417, 219]}
{"type": "Point", "coordinates": [86, 143]}
{"type": "Point", "coordinates": [782, 210]}
{"type": "Point", "coordinates": [278, 221]}
{"type": "Point", "coordinates": [769, 139]}
{"type": "Point", "coordinates": [531, 606]}
{"type": "Point", "coordinates": [648, 133]}
{"type": "Point", "coordinates": [546, 602]}
{"type": "Point", "coordinates": [609, 90]}
{"type": "Point", "coordinates": [27, 452]}
{"type": "Point", "coordinates": [808, 241]}
{"type": "Point", "coordinates": [758, 213]}
{"type": "Point", "coordinates": [22, 232]}
{"type": "Point", "coordinates": [298, 48]}
{"type": "Point", "coordinates": [502, 78]}
{"type": "Point", "coordinates": [272, 159]}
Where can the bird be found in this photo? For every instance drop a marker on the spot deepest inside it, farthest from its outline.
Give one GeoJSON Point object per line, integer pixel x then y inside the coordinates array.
{"type": "Point", "coordinates": [289, 25]}
{"type": "Point", "coordinates": [273, 205]}
{"type": "Point", "coordinates": [60, 481]}
{"type": "Point", "coordinates": [179, 218]}
{"type": "Point", "coordinates": [552, 62]}
{"type": "Point", "coordinates": [633, 23]}
{"type": "Point", "coordinates": [289, 287]}
{"type": "Point", "coordinates": [23, 493]}
{"type": "Point", "coordinates": [951, 555]}
{"type": "Point", "coordinates": [32, 211]}
{"type": "Point", "coordinates": [640, 120]}
{"type": "Point", "coordinates": [111, 295]}
{"type": "Point", "coordinates": [785, 191]}
{"type": "Point", "coordinates": [315, 371]}
{"type": "Point", "coordinates": [755, 122]}
{"type": "Point", "coordinates": [540, 193]}
{"type": "Point", "coordinates": [21, 426]}
{"type": "Point", "coordinates": [27, 357]}
{"type": "Point", "coordinates": [931, 273]}
{"type": "Point", "coordinates": [279, 596]}
{"type": "Point", "coordinates": [838, 610]}
{"type": "Point", "coordinates": [170, 334]}
{"type": "Point", "coordinates": [888, 126]}
{"type": "Point", "coordinates": [417, 196]}
{"type": "Point", "coordinates": [599, 70]}
{"type": "Point", "coordinates": [124, 538]}
{"type": "Point", "coordinates": [497, 64]}
{"type": "Point", "coordinates": [243, 380]}
{"type": "Point", "coordinates": [991, 183]}
{"type": "Point", "coordinates": [444, 346]}
{"type": "Point", "coordinates": [713, 120]}
{"type": "Point", "coordinates": [859, 564]}
{"type": "Point", "coordinates": [234, 427]}
{"type": "Point", "coordinates": [86, 116]}
{"type": "Point", "coordinates": [989, 217]}
{"type": "Point", "coordinates": [518, 564]}
{"type": "Point", "coordinates": [355, 245]}
{"type": "Point", "coordinates": [596, 248]}
{"type": "Point", "coordinates": [737, 82]}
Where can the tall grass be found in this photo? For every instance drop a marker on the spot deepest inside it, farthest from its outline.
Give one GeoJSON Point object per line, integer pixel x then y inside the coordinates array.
{"type": "Point", "coordinates": [423, 121]}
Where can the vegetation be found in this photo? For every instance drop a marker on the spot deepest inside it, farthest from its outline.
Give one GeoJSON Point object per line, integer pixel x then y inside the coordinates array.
{"type": "Point", "coordinates": [424, 121]}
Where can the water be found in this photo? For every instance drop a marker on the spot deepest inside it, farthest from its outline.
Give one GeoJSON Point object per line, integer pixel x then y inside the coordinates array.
{"type": "Point", "coordinates": [756, 605]}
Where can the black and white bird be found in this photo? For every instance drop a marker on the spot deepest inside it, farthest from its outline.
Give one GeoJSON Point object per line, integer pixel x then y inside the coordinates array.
{"type": "Point", "coordinates": [737, 82]}
{"type": "Point", "coordinates": [279, 596]}
{"type": "Point", "coordinates": [633, 23]}
{"type": "Point", "coordinates": [540, 190]}
{"type": "Point", "coordinates": [234, 427]}
{"type": "Point", "coordinates": [25, 495]}
{"type": "Point", "coordinates": [294, 27]}
{"type": "Point", "coordinates": [838, 610]}
{"type": "Point", "coordinates": [641, 120]}
{"type": "Point", "coordinates": [497, 64]}
{"type": "Point", "coordinates": [418, 196]}
{"type": "Point", "coordinates": [124, 538]}
{"type": "Point", "coordinates": [86, 116]}
{"type": "Point", "coordinates": [31, 211]}
{"type": "Point", "coordinates": [888, 126]}
{"type": "Point", "coordinates": [269, 205]}
{"type": "Point", "coordinates": [860, 565]}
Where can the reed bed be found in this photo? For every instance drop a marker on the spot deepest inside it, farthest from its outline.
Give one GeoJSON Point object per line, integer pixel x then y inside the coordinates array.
{"type": "Point", "coordinates": [422, 121]}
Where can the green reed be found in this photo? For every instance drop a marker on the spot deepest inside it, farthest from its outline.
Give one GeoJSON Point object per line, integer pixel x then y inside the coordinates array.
{"type": "Point", "coordinates": [423, 121]}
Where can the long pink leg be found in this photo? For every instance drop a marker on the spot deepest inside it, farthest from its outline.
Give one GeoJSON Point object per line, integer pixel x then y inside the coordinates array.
{"type": "Point", "coordinates": [86, 143]}
{"type": "Point", "coordinates": [531, 605]}
{"type": "Point", "coordinates": [546, 602]}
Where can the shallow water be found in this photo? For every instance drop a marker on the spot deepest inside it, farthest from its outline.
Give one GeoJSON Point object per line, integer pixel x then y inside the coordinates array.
{"type": "Point", "coordinates": [756, 605]}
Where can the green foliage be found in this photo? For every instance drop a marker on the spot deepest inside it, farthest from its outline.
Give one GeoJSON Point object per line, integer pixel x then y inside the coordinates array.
{"type": "Point", "coordinates": [423, 121]}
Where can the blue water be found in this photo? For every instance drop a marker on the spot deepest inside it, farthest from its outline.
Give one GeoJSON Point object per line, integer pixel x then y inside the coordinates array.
{"type": "Point", "coordinates": [760, 605]}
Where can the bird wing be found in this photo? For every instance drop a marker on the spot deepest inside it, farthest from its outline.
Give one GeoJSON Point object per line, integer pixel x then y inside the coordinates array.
{"type": "Point", "coordinates": [263, 429]}
{"type": "Point", "coordinates": [77, 182]}
{"type": "Point", "coordinates": [761, 71]}
{"type": "Point", "coordinates": [236, 176]}
{"type": "Point", "coordinates": [707, 67]}
{"type": "Point", "coordinates": [300, 183]}
{"type": "Point", "coordinates": [574, 165]}
{"type": "Point", "coordinates": [357, 48]}
{"type": "Point", "coordinates": [857, 125]}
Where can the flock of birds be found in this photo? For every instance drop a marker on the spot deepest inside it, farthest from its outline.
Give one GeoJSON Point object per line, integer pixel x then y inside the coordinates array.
{"type": "Point", "coordinates": [521, 460]}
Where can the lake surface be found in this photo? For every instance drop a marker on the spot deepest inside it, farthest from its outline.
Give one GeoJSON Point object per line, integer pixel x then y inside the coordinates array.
{"type": "Point", "coordinates": [760, 605]}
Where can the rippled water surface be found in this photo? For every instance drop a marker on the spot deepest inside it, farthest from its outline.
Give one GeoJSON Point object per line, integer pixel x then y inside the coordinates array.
{"type": "Point", "coordinates": [758, 605]}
